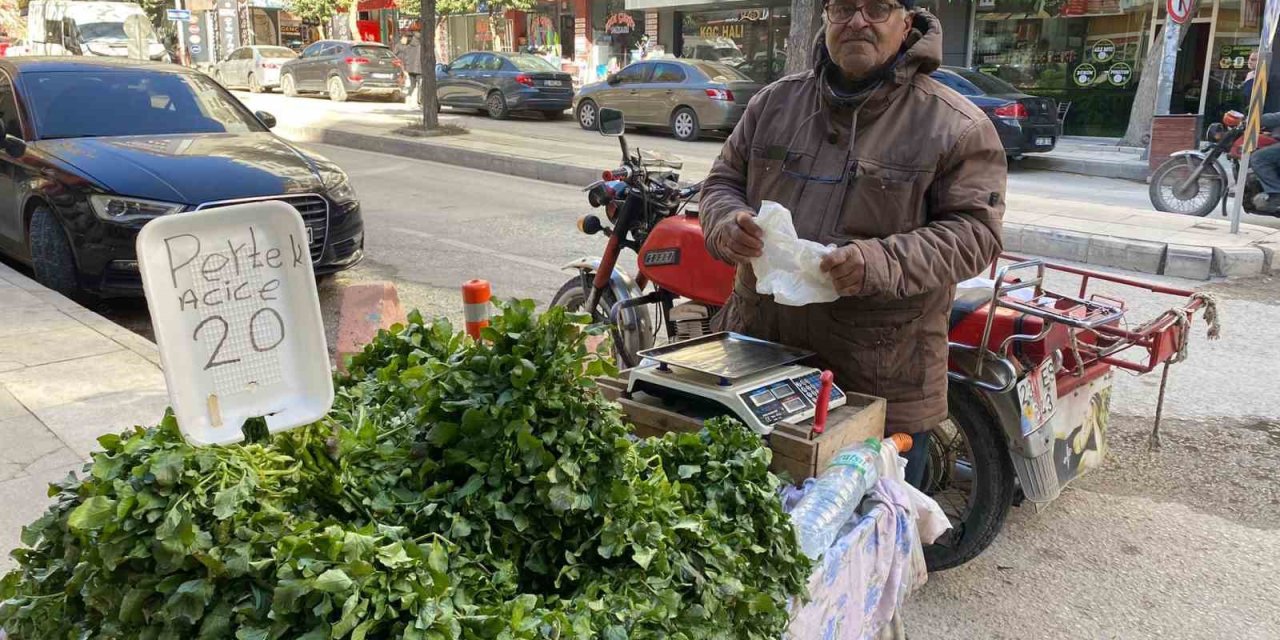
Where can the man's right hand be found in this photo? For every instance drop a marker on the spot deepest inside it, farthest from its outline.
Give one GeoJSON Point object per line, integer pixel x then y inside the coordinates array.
{"type": "Point", "coordinates": [742, 240]}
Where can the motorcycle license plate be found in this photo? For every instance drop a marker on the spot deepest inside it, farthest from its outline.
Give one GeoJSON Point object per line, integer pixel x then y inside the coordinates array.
{"type": "Point", "coordinates": [1038, 396]}
{"type": "Point", "coordinates": [1044, 142]}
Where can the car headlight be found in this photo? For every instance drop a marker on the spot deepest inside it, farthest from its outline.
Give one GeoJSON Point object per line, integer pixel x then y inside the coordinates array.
{"type": "Point", "coordinates": [119, 209]}
{"type": "Point", "coordinates": [342, 192]}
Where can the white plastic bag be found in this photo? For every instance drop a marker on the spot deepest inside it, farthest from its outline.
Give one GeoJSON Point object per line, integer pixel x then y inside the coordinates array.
{"type": "Point", "coordinates": [790, 269]}
{"type": "Point", "coordinates": [931, 520]}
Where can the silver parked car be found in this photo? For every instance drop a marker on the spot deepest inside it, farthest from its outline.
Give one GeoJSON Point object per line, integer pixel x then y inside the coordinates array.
{"type": "Point", "coordinates": [687, 96]}
{"type": "Point", "coordinates": [255, 68]}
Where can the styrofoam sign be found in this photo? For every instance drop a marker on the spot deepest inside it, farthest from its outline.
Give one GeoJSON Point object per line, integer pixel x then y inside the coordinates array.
{"type": "Point", "coordinates": [237, 318]}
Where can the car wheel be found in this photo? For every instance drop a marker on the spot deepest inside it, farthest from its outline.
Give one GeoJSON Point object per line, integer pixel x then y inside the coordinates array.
{"type": "Point", "coordinates": [684, 124]}
{"type": "Point", "coordinates": [51, 257]}
{"type": "Point", "coordinates": [588, 113]}
{"type": "Point", "coordinates": [337, 91]}
{"type": "Point", "coordinates": [254, 85]}
{"type": "Point", "coordinates": [287, 86]}
{"type": "Point", "coordinates": [496, 106]}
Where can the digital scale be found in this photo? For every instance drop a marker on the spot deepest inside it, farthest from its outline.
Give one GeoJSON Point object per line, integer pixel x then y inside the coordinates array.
{"type": "Point", "coordinates": [757, 381]}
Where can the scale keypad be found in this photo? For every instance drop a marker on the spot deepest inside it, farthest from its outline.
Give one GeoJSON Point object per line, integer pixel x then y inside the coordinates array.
{"type": "Point", "coordinates": [787, 398]}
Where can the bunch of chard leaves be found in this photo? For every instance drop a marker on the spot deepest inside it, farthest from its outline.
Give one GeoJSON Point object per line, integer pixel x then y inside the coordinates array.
{"type": "Point", "coordinates": [458, 489]}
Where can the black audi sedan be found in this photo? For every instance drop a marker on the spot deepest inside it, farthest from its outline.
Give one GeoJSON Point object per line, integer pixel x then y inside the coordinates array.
{"type": "Point", "coordinates": [1026, 123]}
{"type": "Point", "coordinates": [96, 147]}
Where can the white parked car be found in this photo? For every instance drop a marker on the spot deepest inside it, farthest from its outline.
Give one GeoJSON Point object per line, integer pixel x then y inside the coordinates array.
{"type": "Point", "coordinates": [256, 68]}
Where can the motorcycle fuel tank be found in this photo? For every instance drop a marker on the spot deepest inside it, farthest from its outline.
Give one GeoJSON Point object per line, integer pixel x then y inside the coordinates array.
{"type": "Point", "coordinates": [675, 258]}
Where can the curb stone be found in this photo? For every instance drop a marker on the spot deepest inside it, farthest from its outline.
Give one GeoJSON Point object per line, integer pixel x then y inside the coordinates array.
{"type": "Point", "coordinates": [1183, 261]}
{"type": "Point", "coordinates": [1131, 255]}
{"type": "Point", "coordinates": [1056, 243]}
{"type": "Point", "coordinates": [1238, 261]}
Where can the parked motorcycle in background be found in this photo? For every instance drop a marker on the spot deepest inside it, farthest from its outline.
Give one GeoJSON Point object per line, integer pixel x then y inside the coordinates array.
{"type": "Point", "coordinates": [1197, 181]}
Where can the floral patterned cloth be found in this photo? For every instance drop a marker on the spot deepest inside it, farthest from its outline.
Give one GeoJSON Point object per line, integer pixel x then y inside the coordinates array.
{"type": "Point", "coordinates": [859, 584]}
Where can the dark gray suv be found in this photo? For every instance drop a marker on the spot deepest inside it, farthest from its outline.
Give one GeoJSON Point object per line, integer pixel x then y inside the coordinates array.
{"type": "Point", "coordinates": [342, 69]}
{"type": "Point", "coordinates": [500, 83]}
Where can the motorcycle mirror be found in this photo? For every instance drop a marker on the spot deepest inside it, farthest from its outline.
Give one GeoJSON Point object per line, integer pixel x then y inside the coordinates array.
{"type": "Point", "coordinates": [612, 123]}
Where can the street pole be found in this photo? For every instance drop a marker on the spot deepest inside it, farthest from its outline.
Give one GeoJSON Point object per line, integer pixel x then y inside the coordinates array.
{"type": "Point", "coordinates": [182, 36]}
{"type": "Point", "coordinates": [1168, 63]}
{"type": "Point", "coordinates": [1257, 104]}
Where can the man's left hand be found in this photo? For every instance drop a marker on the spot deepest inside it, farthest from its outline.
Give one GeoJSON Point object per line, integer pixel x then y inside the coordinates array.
{"type": "Point", "coordinates": [847, 268]}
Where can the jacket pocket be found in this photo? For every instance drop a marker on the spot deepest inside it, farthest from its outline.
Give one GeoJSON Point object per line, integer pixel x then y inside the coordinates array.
{"type": "Point", "coordinates": [882, 350]}
{"type": "Point", "coordinates": [880, 206]}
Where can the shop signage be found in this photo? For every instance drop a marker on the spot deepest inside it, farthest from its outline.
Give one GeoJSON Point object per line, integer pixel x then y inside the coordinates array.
{"type": "Point", "coordinates": [195, 40]}
{"type": "Point", "coordinates": [733, 31]}
{"type": "Point", "coordinates": [178, 15]}
{"type": "Point", "coordinates": [1084, 74]}
{"type": "Point", "coordinates": [1119, 74]}
{"type": "Point", "coordinates": [1104, 50]}
{"type": "Point", "coordinates": [1235, 56]}
{"type": "Point", "coordinates": [195, 47]}
{"type": "Point", "coordinates": [753, 15]}
{"type": "Point", "coordinates": [620, 24]}
{"type": "Point", "coordinates": [1180, 10]}
{"type": "Point", "coordinates": [233, 301]}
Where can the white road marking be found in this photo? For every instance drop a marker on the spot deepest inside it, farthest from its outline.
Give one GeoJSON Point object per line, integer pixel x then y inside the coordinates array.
{"type": "Point", "coordinates": [467, 246]}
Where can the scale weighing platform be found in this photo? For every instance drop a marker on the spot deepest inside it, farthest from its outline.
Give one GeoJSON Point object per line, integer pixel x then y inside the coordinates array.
{"type": "Point", "coordinates": [757, 381]}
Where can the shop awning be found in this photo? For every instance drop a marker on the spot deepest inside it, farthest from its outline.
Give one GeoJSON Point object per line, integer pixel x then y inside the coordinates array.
{"type": "Point", "coordinates": [374, 5]}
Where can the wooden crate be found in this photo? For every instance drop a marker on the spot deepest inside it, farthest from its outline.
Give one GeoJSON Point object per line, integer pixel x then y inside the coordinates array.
{"type": "Point", "coordinates": [797, 451]}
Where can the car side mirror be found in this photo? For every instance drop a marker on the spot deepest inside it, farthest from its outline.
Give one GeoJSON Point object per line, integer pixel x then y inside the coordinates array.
{"type": "Point", "coordinates": [442, 68]}
{"type": "Point", "coordinates": [14, 146]}
{"type": "Point", "coordinates": [268, 120]}
{"type": "Point", "coordinates": [613, 79]}
{"type": "Point", "coordinates": [612, 123]}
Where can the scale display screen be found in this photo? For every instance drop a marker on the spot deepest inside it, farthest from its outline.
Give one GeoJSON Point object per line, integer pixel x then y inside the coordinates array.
{"type": "Point", "coordinates": [788, 398]}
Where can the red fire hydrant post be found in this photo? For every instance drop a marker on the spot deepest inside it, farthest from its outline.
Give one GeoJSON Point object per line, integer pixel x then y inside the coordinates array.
{"type": "Point", "coordinates": [476, 295]}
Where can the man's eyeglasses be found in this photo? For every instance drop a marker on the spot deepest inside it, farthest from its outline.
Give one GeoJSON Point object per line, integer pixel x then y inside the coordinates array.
{"type": "Point", "coordinates": [873, 11]}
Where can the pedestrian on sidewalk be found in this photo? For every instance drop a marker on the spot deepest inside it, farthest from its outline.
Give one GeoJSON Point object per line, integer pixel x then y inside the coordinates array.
{"type": "Point", "coordinates": [905, 176]}
{"type": "Point", "coordinates": [409, 51]}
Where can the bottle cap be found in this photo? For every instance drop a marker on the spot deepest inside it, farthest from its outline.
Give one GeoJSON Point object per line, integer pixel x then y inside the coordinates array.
{"type": "Point", "coordinates": [902, 441]}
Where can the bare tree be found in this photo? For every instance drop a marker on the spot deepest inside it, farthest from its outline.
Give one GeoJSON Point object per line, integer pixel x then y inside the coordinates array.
{"type": "Point", "coordinates": [427, 86]}
{"type": "Point", "coordinates": [1138, 133]}
{"type": "Point", "coordinates": [806, 23]}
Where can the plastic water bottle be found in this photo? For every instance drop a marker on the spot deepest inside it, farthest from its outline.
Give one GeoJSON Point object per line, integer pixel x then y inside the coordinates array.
{"type": "Point", "coordinates": [835, 497]}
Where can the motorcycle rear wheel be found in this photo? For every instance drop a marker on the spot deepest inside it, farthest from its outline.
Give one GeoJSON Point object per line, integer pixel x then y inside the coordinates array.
{"type": "Point", "coordinates": [971, 477]}
{"type": "Point", "coordinates": [1198, 199]}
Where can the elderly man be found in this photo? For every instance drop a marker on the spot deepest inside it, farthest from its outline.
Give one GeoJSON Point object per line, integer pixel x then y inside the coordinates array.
{"type": "Point", "coordinates": [904, 176]}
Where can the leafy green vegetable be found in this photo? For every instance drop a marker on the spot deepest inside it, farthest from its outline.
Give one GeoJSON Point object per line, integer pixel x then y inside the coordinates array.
{"type": "Point", "coordinates": [458, 489]}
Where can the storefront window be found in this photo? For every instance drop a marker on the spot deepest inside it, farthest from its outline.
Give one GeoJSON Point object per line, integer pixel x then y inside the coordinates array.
{"type": "Point", "coordinates": [1087, 52]}
{"type": "Point", "coordinates": [753, 41]}
{"type": "Point", "coordinates": [618, 34]}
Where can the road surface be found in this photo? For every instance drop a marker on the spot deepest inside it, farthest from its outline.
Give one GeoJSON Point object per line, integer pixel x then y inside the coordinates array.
{"type": "Point", "coordinates": [1182, 543]}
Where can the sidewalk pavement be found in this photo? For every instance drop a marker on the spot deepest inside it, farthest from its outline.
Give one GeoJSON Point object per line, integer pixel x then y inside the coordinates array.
{"type": "Point", "coordinates": [1101, 157]}
{"type": "Point", "coordinates": [67, 376]}
{"type": "Point", "coordinates": [1107, 236]}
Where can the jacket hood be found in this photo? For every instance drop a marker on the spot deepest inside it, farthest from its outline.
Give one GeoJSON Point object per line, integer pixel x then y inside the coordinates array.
{"type": "Point", "coordinates": [922, 50]}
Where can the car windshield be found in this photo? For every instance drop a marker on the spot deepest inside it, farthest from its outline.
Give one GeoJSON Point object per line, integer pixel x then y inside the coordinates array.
{"type": "Point", "coordinates": [719, 72]}
{"type": "Point", "coordinates": [374, 52]}
{"type": "Point", "coordinates": [80, 104]}
{"type": "Point", "coordinates": [525, 62]}
{"type": "Point", "coordinates": [277, 52]}
{"type": "Point", "coordinates": [988, 84]}
{"type": "Point", "coordinates": [102, 31]}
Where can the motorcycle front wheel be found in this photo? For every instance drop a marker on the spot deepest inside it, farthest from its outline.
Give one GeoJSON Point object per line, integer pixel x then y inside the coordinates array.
{"type": "Point", "coordinates": [970, 476]}
{"type": "Point", "coordinates": [1170, 191]}
{"type": "Point", "coordinates": [573, 297]}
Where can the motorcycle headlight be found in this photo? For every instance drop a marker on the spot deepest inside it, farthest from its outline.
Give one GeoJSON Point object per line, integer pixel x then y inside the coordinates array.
{"type": "Point", "coordinates": [1215, 132]}
{"type": "Point", "coordinates": [120, 209]}
{"type": "Point", "coordinates": [342, 192]}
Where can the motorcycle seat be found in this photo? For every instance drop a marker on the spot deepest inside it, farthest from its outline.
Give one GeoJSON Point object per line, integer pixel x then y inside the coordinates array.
{"type": "Point", "coordinates": [967, 301]}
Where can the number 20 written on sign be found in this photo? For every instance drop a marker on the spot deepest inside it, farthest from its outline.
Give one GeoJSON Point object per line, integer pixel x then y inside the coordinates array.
{"type": "Point", "coordinates": [213, 324]}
